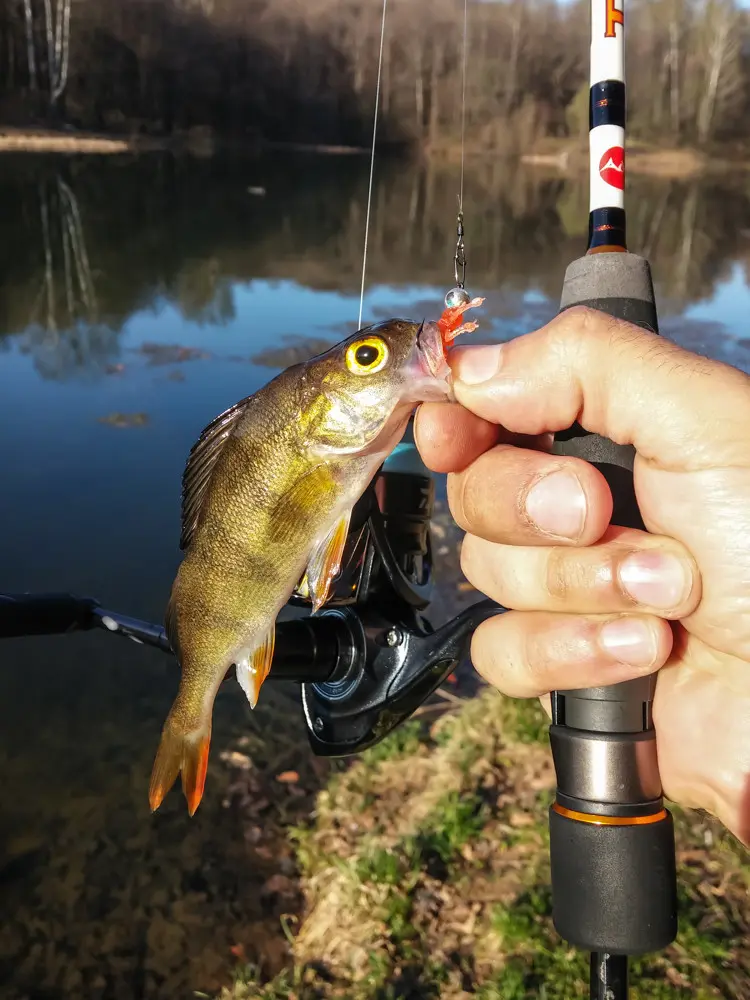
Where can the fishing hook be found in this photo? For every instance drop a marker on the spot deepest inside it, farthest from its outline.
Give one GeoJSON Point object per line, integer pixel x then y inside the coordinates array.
{"type": "Point", "coordinates": [459, 260]}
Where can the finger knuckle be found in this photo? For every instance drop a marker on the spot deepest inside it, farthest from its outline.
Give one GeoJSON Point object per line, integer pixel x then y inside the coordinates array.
{"type": "Point", "coordinates": [484, 655]}
{"type": "Point", "coordinates": [584, 330]}
{"type": "Point", "coordinates": [534, 663]}
{"type": "Point", "coordinates": [466, 558]}
{"type": "Point", "coordinates": [568, 575]}
{"type": "Point", "coordinates": [457, 497]}
{"type": "Point", "coordinates": [557, 577]}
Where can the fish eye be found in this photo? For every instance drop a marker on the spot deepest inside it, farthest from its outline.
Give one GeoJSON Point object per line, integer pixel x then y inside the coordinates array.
{"type": "Point", "coordinates": [364, 357]}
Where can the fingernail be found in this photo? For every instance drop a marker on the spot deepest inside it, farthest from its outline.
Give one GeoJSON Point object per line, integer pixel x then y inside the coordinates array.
{"type": "Point", "coordinates": [629, 640]}
{"type": "Point", "coordinates": [557, 505]}
{"type": "Point", "coordinates": [474, 365]}
{"type": "Point", "coordinates": [657, 579]}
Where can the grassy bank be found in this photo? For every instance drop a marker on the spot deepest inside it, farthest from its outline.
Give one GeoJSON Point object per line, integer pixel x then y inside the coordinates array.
{"type": "Point", "coordinates": [425, 874]}
{"type": "Point", "coordinates": [50, 141]}
{"type": "Point", "coordinates": [560, 155]}
{"type": "Point", "coordinates": [197, 141]}
{"type": "Point", "coordinates": [657, 161]}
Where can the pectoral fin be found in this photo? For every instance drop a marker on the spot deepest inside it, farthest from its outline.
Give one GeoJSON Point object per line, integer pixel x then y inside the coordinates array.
{"type": "Point", "coordinates": [252, 670]}
{"type": "Point", "coordinates": [325, 563]}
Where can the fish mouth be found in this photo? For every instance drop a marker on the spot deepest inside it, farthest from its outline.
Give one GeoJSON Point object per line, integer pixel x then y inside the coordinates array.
{"type": "Point", "coordinates": [430, 366]}
{"type": "Point", "coordinates": [431, 352]}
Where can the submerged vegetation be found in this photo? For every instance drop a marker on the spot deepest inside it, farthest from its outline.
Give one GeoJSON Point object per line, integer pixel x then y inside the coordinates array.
{"type": "Point", "coordinates": [425, 874]}
{"type": "Point", "coordinates": [305, 72]}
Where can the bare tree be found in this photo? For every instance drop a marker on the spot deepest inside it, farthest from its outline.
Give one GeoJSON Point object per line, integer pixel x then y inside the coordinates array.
{"type": "Point", "coordinates": [30, 53]}
{"type": "Point", "coordinates": [62, 49]}
{"type": "Point", "coordinates": [305, 70]}
{"type": "Point", "coordinates": [723, 51]}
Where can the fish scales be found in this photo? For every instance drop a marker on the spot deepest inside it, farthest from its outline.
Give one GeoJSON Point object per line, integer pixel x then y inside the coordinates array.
{"type": "Point", "coordinates": [267, 494]}
{"type": "Point", "coordinates": [253, 531]}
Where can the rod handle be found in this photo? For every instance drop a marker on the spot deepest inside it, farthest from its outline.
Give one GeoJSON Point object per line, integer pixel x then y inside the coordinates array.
{"type": "Point", "coordinates": [611, 839]}
{"type": "Point", "coordinates": [44, 614]}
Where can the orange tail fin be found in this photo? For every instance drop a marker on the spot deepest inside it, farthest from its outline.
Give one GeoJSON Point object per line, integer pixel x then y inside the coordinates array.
{"type": "Point", "coordinates": [184, 753]}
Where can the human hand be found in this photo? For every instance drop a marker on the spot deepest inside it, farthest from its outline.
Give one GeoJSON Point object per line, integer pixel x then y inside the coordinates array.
{"type": "Point", "coordinates": [593, 604]}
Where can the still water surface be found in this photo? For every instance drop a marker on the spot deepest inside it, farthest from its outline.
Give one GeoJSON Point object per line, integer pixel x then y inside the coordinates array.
{"type": "Point", "coordinates": [169, 290]}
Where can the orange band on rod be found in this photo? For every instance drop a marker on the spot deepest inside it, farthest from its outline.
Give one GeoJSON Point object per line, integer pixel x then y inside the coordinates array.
{"type": "Point", "coordinates": [609, 820]}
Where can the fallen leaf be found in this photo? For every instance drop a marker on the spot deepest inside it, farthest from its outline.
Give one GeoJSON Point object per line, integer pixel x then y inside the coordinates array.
{"type": "Point", "coordinates": [125, 419]}
{"type": "Point", "coordinates": [288, 777]}
{"type": "Point", "coordinates": [518, 819]}
{"type": "Point", "coordinates": [235, 759]}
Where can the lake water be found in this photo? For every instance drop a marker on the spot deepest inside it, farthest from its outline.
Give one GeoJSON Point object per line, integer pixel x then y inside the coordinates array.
{"type": "Point", "coordinates": [169, 289]}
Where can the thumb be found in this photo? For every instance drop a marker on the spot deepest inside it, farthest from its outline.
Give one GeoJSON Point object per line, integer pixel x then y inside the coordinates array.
{"type": "Point", "coordinates": [617, 380]}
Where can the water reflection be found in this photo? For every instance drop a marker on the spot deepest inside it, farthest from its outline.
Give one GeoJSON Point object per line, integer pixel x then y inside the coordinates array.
{"type": "Point", "coordinates": [90, 243]}
{"type": "Point", "coordinates": [164, 290]}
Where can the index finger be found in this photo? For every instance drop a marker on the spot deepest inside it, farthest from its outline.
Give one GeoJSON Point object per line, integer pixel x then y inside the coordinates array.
{"type": "Point", "coordinates": [450, 437]}
{"type": "Point", "coordinates": [616, 380]}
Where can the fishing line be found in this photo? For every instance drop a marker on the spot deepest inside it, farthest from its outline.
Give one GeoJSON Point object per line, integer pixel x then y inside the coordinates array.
{"type": "Point", "coordinates": [372, 164]}
{"type": "Point", "coordinates": [458, 295]}
{"type": "Point", "coordinates": [463, 109]}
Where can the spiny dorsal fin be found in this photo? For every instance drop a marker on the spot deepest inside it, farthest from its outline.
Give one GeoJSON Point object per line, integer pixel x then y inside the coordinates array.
{"type": "Point", "coordinates": [200, 466]}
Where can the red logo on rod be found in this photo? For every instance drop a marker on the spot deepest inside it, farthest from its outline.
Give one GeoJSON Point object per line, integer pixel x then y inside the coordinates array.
{"type": "Point", "coordinates": [612, 167]}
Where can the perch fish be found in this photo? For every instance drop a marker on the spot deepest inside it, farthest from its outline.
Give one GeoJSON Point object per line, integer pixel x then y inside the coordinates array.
{"type": "Point", "coordinates": [267, 494]}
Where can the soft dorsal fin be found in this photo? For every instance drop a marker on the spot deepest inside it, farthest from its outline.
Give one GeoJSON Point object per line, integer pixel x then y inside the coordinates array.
{"type": "Point", "coordinates": [200, 465]}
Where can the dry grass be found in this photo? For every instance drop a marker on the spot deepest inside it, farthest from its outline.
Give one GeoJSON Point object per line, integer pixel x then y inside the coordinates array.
{"type": "Point", "coordinates": [47, 141]}
{"type": "Point", "coordinates": [674, 163]}
{"type": "Point", "coordinates": [568, 157]}
{"type": "Point", "coordinates": [425, 874]}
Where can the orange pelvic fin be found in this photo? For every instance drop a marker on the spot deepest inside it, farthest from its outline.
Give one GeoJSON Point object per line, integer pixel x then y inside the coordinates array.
{"type": "Point", "coordinates": [251, 672]}
{"type": "Point", "coordinates": [325, 562]}
{"type": "Point", "coordinates": [180, 753]}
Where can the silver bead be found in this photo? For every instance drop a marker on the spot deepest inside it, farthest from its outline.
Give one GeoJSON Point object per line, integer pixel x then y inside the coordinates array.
{"type": "Point", "coordinates": [457, 297]}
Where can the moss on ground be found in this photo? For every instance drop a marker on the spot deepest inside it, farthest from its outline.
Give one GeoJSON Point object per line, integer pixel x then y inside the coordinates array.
{"type": "Point", "coordinates": [425, 874]}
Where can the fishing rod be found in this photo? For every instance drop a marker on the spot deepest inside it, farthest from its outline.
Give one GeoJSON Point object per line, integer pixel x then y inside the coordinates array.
{"type": "Point", "coordinates": [611, 838]}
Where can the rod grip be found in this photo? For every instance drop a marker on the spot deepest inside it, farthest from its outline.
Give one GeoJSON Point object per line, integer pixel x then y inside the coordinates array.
{"type": "Point", "coordinates": [611, 840]}
{"type": "Point", "coordinates": [43, 614]}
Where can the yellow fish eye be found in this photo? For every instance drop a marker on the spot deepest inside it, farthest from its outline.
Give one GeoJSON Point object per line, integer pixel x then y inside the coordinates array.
{"type": "Point", "coordinates": [366, 356]}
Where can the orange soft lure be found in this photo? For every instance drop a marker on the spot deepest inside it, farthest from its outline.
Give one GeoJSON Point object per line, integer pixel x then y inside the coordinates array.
{"type": "Point", "coordinates": [450, 324]}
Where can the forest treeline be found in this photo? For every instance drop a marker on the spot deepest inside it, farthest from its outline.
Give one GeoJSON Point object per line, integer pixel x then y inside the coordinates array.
{"type": "Point", "coordinates": [305, 70]}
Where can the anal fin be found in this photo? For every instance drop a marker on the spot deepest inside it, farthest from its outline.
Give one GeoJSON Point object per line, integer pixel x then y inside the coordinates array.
{"type": "Point", "coordinates": [325, 562]}
{"type": "Point", "coordinates": [252, 671]}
